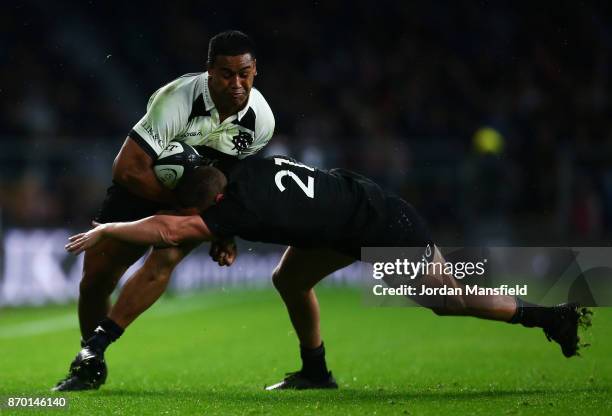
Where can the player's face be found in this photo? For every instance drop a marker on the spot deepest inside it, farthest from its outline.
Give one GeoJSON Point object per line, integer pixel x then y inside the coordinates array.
{"type": "Point", "coordinates": [231, 79]}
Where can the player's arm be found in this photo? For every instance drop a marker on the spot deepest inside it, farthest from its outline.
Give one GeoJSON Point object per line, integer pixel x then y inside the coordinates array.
{"type": "Point", "coordinates": [166, 117]}
{"type": "Point", "coordinates": [157, 230]}
{"type": "Point", "coordinates": [133, 168]}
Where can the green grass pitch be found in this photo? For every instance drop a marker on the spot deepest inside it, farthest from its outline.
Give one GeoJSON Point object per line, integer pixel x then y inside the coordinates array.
{"type": "Point", "coordinates": [213, 353]}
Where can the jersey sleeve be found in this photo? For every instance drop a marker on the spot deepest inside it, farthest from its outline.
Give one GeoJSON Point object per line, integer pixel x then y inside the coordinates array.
{"type": "Point", "coordinates": [225, 219]}
{"type": "Point", "coordinates": [264, 129]}
{"type": "Point", "coordinates": [167, 116]}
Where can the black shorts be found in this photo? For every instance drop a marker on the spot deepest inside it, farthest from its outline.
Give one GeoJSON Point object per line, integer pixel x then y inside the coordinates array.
{"type": "Point", "coordinates": [398, 225]}
{"type": "Point", "coordinates": [122, 205]}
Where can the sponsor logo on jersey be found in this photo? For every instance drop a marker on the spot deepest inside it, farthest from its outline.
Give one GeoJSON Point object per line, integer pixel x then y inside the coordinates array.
{"type": "Point", "coordinates": [189, 134]}
{"type": "Point", "coordinates": [145, 125]}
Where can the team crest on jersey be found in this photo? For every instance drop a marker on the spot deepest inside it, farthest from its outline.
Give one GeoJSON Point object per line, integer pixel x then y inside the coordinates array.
{"type": "Point", "coordinates": [242, 141]}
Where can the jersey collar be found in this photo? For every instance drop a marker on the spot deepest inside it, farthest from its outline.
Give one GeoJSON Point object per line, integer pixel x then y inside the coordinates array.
{"type": "Point", "coordinates": [210, 104]}
{"type": "Point", "coordinates": [208, 101]}
{"type": "Point", "coordinates": [242, 112]}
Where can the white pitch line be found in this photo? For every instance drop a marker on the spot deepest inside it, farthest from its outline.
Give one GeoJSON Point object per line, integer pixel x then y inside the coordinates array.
{"type": "Point", "coordinates": [70, 320]}
{"type": "Point", "coordinates": [40, 326]}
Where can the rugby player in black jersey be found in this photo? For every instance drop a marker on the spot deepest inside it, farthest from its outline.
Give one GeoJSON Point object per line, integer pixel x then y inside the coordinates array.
{"type": "Point", "coordinates": [325, 217]}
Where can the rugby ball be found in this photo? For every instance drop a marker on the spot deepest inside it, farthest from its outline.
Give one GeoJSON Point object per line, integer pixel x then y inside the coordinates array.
{"type": "Point", "coordinates": [174, 161]}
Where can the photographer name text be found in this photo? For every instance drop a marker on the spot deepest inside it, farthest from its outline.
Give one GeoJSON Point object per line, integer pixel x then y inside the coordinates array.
{"type": "Point", "coordinates": [407, 290]}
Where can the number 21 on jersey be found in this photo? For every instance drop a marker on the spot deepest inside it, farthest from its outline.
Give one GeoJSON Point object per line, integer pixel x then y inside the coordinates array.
{"type": "Point", "coordinates": [278, 178]}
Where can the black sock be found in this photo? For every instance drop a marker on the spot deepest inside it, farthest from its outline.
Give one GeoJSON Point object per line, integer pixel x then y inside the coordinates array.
{"type": "Point", "coordinates": [106, 332]}
{"type": "Point", "coordinates": [313, 362]}
{"type": "Point", "coordinates": [531, 315]}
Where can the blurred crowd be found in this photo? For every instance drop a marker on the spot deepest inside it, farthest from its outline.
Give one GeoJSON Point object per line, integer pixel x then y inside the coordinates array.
{"type": "Point", "coordinates": [491, 117]}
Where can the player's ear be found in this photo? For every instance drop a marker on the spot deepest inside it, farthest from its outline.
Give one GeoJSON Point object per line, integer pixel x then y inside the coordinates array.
{"type": "Point", "coordinates": [254, 67]}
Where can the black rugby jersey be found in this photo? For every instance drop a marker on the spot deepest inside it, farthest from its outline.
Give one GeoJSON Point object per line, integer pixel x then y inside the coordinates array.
{"type": "Point", "coordinates": [278, 200]}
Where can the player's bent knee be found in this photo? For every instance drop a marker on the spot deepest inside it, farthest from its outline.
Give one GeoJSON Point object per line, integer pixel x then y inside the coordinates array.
{"type": "Point", "coordinates": [284, 282]}
{"type": "Point", "coordinates": [168, 258]}
{"type": "Point", "coordinates": [161, 263]}
{"type": "Point", "coordinates": [278, 281]}
{"type": "Point", "coordinates": [166, 262]}
{"type": "Point", "coordinates": [287, 285]}
{"type": "Point", "coordinates": [160, 275]}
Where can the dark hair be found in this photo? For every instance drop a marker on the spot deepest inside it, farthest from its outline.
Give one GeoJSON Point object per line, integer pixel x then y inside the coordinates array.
{"type": "Point", "coordinates": [229, 43]}
{"type": "Point", "coordinates": [199, 188]}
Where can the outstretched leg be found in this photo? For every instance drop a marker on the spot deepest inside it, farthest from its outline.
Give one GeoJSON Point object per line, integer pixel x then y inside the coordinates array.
{"type": "Point", "coordinates": [560, 323]}
{"type": "Point", "coordinates": [494, 307]}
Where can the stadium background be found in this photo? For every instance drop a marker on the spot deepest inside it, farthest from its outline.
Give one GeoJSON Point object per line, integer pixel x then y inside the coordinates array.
{"type": "Point", "coordinates": [492, 118]}
{"type": "Point", "coordinates": [394, 90]}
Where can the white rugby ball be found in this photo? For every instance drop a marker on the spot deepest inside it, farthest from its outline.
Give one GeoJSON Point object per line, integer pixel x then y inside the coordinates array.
{"type": "Point", "coordinates": [174, 161]}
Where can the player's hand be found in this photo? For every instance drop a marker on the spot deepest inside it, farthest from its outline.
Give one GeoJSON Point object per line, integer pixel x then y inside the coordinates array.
{"type": "Point", "coordinates": [83, 241]}
{"type": "Point", "coordinates": [224, 252]}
